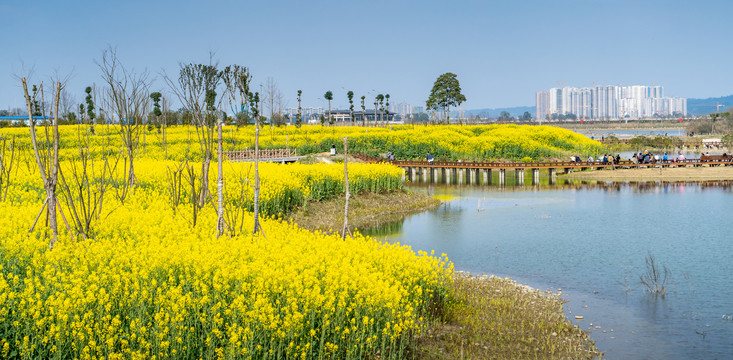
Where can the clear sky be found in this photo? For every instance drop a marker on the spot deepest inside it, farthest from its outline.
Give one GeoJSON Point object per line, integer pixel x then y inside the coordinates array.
{"type": "Point", "coordinates": [502, 51]}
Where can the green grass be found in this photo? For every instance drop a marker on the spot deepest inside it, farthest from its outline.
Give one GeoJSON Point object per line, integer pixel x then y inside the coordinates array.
{"type": "Point", "coordinates": [494, 318]}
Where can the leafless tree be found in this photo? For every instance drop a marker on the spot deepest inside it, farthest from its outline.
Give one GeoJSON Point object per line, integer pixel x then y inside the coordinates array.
{"type": "Point", "coordinates": [67, 103]}
{"type": "Point", "coordinates": [126, 99]}
{"type": "Point", "coordinates": [270, 96]}
{"type": "Point", "coordinates": [196, 89]}
{"type": "Point", "coordinates": [346, 186]}
{"type": "Point", "coordinates": [274, 99]}
{"type": "Point", "coordinates": [48, 162]}
{"type": "Point", "coordinates": [7, 159]}
{"type": "Point", "coordinates": [236, 80]}
{"type": "Point", "coordinates": [654, 279]}
{"type": "Point", "coordinates": [164, 128]}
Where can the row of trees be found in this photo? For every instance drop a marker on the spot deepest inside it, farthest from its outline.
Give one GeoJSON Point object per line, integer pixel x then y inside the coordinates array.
{"type": "Point", "coordinates": [446, 92]}
{"type": "Point", "coordinates": [381, 108]}
{"type": "Point", "coordinates": [715, 124]}
{"type": "Point", "coordinates": [125, 99]}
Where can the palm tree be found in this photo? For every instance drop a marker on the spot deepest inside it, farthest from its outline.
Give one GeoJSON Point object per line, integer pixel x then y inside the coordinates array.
{"type": "Point", "coordinates": [328, 96]}
{"type": "Point", "coordinates": [386, 107]}
{"type": "Point", "coordinates": [363, 111]}
{"type": "Point", "coordinates": [350, 95]}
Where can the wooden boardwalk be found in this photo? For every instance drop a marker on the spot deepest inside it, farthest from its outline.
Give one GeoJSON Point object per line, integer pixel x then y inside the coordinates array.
{"type": "Point", "coordinates": [457, 171]}
{"type": "Point", "coordinates": [268, 155]}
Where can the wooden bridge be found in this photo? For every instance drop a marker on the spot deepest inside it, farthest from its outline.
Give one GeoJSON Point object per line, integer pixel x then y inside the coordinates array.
{"type": "Point", "coordinates": [468, 172]}
{"type": "Point", "coordinates": [269, 155]}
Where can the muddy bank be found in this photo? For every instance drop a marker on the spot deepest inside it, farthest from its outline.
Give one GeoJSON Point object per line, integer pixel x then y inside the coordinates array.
{"type": "Point", "coordinates": [719, 173]}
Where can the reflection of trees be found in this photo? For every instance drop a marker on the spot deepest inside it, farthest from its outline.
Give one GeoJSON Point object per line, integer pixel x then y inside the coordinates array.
{"type": "Point", "coordinates": [385, 229]}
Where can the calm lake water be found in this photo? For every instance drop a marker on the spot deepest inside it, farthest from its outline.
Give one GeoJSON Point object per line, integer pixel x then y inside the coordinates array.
{"type": "Point", "coordinates": [630, 133]}
{"type": "Point", "coordinates": [591, 241]}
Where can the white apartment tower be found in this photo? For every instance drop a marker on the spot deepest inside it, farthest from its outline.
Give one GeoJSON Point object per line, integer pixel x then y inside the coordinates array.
{"type": "Point", "coordinates": [609, 102]}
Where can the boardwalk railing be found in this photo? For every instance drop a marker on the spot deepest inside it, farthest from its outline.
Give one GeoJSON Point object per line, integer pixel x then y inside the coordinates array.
{"type": "Point", "coordinates": [711, 161]}
{"type": "Point", "coordinates": [481, 172]}
{"type": "Point", "coordinates": [263, 154]}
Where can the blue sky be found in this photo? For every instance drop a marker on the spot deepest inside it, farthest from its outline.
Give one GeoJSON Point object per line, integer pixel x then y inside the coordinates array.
{"type": "Point", "coordinates": [502, 51]}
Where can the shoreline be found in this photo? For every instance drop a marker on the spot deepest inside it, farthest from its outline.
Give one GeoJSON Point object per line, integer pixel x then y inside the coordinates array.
{"type": "Point", "coordinates": [686, 174]}
{"type": "Point", "coordinates": [532, 322]}
{"type": "Point", "coordinates": [366, 210]}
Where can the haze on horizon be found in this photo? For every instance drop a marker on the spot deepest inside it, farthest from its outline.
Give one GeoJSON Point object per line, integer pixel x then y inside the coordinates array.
{"type": "Point", "coordinates": [502, 52]}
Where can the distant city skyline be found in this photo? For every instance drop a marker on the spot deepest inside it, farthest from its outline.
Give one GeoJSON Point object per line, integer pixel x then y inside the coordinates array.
{"type": "Point", "coordinates": [608, 102]}
{"type": "Point", "coordinates": [502, 52]}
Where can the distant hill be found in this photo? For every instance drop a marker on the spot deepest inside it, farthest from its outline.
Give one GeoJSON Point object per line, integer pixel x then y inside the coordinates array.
{"type": "Point", "coordinates": [514, 111]}
{"type": "Point", "coordinates": [706, 106]}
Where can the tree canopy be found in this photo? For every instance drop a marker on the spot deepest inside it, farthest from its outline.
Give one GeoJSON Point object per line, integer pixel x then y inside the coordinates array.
{"type": "Point", "coordinates": [446, 92]}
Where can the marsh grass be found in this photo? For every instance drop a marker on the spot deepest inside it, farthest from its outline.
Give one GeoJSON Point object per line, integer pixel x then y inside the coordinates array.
{"type": "Point", "coordinates": [494, 318]}
{"type": "Point", "coordinates": [366, 209]}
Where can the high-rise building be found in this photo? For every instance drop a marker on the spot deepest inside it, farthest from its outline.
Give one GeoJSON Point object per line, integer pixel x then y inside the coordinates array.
{"type": "Point", "coordinates": [608, 102]}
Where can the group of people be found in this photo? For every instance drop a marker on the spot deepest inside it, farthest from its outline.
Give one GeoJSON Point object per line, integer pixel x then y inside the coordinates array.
{"type": "Point", "coordinates": [605, 159]}
{"type": "Point", "coordinates": [649, 158]}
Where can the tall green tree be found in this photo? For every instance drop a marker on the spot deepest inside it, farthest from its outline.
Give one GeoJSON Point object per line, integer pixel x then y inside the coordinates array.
{"type": "Point", "coordinates": [350, 95]}
{"type": "Point", "coordinates": [446, 92]}
{"type": "Point", "coordinates": [363, 111]}
{"type": "Point", "coordinates": [526, 116]}
{"type": "Point", "coordinates": [386, 106]}
{"type": "Point", "coordinates": [380, 100]}
{"type": "Point", "coordinates": [328, 96]}
{"type": "Point", "coordinates": [299, 116]}
{"type": "Point", "coordinates": [90, 105]}
{"type": "Point", "coordinates": [156, 97]}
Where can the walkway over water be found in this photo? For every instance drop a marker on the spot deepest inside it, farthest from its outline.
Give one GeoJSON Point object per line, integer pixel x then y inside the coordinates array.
{"type": "Point", "coordinates": [458, 171]}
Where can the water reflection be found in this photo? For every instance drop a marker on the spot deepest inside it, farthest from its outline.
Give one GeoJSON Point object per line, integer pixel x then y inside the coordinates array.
{"type": "Point", "coordinates": [591, 239]}
{"type": "Point", "coordinates": [594, 185]}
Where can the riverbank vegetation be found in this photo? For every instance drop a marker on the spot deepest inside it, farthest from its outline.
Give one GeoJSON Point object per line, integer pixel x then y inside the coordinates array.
{"type": "Point", "coordinates": [366, 210]}
{"type": "Point", "coordinates": [494, 318]}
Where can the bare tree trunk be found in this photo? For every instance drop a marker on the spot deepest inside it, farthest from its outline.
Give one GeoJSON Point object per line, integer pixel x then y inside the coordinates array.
{"type": "Point", "coordinates": [131, 172]}
{"type": "Point", "coordinates": [346, 185]}
{"type": "Point", "coordinates": [51, 190]}
{"type": "Point", "coordinates": [220, 185]}
{"type": "Point", "coordinates": [50, 180]}
{"type": "Point", "coordinates": [165, 125]}
{"type": "Point", "coordinates": [375, 114]}
{"type": "Point", "coordinates": [257, 178]}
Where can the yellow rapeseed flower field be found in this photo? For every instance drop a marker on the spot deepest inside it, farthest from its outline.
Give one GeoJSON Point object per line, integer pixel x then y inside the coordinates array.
{"type": "Point", "coordinates": [148, 283]}
{"type": "Point", "coordinates": [452, 142]}
{"type": "Point", "coordinates": [151, 280]}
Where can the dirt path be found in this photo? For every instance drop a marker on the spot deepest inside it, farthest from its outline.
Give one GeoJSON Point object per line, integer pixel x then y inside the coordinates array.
{"type": "Point", "coordinates": [656, 174]}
